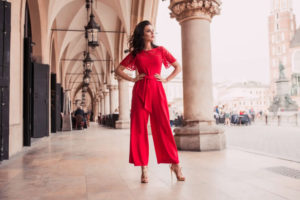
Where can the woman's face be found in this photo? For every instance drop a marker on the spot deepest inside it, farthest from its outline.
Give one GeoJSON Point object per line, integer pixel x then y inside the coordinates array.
{"type": "Point", "coordinates": [148, 33]}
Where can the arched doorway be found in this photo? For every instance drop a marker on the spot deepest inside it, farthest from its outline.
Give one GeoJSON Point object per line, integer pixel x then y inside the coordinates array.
{"type": "Point", "coordinates": [27, 86]}
{"type": "Point", "coordinates": [35, 89]}
{"type": "Point", "coordinates": [5, 21]}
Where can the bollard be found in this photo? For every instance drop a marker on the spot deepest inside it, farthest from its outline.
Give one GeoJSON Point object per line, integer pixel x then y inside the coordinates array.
{"type": "Point", "coordinates": [278, 120]}
{"type": "Point", "coordinates": [266, 116]}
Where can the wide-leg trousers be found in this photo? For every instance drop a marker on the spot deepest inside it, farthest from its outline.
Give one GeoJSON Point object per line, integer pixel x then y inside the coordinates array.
{"type": "Point", "coordinates": [164, 143]}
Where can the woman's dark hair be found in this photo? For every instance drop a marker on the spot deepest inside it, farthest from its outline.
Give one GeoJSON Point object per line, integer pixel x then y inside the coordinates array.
{"type": "Point", "coordinates": [136, 41]}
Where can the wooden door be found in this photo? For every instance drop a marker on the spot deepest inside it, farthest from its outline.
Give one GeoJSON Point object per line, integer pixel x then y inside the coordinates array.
{"type": "Point", "coordinates": [5, 20]}
{"type": "Point", "coordinates": [27, 81]}
{"type": "Point", "coordinates": [53, 103]}
{"type": "Point", "coordinates": [58, 107]}
{"type": "Point", "coordinates": [40, 100]}
{"type": "Point", "coordinates": [27, 94]}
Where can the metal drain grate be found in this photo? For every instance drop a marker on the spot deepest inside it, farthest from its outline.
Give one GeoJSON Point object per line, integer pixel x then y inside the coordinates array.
{"type": "Point", "coordinates": [285, 171]}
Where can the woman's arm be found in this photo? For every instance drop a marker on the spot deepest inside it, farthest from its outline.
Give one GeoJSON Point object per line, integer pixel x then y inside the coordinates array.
{"type": "Point", "coordinates": [176, 71]}
{"type": "Point", "coordinates": [120, 72]}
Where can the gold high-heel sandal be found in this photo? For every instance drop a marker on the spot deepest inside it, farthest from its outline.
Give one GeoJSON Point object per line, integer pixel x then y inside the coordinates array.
{"type": "Point", "coordinates": [144, 177]}
{"type": "Point", "coordinates": [177, 172]}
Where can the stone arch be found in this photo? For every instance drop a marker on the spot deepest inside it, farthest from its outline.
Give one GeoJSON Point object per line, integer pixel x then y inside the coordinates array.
{"type": "Point", "coordinates": [76, 69]}
{"type": "Point", "coordinates": [70, 43]}
{"type": "Point", "coordinates": [36, 29]}
{"type": "Point", "coordinates": [89, 92]}
{"type": "Point", "coordinates": [53, 59]}
{"type": "Point", "coordinates": [143, 10]}
{"type": "Point", "coordinates": [39, 23]}
{"type": "Point", "coordinates": [69, 66]}
{"type": "Point", "coordinates": [80, 17]}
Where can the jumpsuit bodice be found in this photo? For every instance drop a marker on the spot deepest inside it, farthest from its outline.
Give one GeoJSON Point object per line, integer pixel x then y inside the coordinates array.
{"type": "Point", "coordinates": [148, 63]}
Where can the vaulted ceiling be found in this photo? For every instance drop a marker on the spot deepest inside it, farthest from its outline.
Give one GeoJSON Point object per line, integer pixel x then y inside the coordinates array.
{"type": "Point", "coordinates": [52, 46]}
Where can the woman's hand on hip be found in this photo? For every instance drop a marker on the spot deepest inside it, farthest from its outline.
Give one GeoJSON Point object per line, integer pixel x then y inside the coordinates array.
{"type": "Point", "coordinates": [139, 77]}
{"type": "Point", "coordinates": [159, 78]}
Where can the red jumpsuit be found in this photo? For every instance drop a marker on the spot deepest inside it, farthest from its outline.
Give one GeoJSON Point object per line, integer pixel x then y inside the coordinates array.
{"type": "Point", "coordinates": [148, 97]}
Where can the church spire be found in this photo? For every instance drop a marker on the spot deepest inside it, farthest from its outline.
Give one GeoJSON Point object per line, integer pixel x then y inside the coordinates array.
{"type": "Point", "coordinates": [281, 5]}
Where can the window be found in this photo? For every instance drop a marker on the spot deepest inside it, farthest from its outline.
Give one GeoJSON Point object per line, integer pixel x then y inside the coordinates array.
{"type": "Point", "coordinates": [284, 60]}
{"type": "Point", "coordinates": [277, 38]}
{"type": "Point", "coordinates": [283, 4]}
{"type": "Point", "coordinates": [283, 49]}
{"type": "Point", "coordinates": [276, 4]}
{"type": "Point", "coordinates": [296, 62]}
{"type": "Point", "coordinates": [282, 36]}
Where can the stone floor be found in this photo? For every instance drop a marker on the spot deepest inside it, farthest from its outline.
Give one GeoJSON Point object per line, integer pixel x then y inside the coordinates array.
{"type": "Point", "coordinates": [93, 164]}
{"type": "Point", "coordinates": [280, 142]}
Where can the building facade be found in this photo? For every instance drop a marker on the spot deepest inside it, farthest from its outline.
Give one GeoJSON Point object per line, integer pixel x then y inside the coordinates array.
{"type": "Point", "coordinates": [236, 97]}
{"type": "Point", "coordinates": [284, 46]}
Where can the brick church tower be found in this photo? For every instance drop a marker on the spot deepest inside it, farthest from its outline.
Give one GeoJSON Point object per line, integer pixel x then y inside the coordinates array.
{"type": "Point", "coordinates": [282, 27]}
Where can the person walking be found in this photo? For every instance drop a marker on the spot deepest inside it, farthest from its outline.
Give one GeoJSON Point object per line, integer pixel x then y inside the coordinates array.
{"type": "Point", "coordinates": [149, 98]}
{"type": "Point", "coordinates": [227, 117]}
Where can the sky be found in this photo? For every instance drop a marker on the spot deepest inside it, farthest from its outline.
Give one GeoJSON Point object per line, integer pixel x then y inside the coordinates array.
{"type": "Point", "coordinates": [239, 39]}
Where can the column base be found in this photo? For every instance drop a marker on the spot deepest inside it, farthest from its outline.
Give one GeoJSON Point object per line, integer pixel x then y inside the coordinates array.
{"type": "Point", "coordinates": [200, 138]}
{"type": "Point", "coordinates": [122, 124]}
{"type": "Point", "coordinates": [66, 123]}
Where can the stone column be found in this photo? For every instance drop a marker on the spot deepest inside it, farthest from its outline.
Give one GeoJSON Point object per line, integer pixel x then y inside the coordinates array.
{"type": "Point", "coordinates": [99, 106]}
{"type": "Point", "coordinates": [106, 102]}
{"type": "Point", "coordinates": [96, 109]}
{"type": "Point", "coordinates": [124, 106]}
{"type": "Point", "coordinates": [102, 104]}
{"type": "Point", "coordinates": [66, 117]}
{"type": "Point", "coordinates": [113, 97]}
{"type": "Point", "coordinates": [199, 132]}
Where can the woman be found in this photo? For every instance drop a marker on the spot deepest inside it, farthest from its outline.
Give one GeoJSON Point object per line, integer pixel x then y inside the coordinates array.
{"type": "Point", "coordinates": [148, 97]}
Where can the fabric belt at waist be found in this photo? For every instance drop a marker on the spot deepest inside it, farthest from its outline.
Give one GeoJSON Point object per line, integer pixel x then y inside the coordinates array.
{"type": "Point", "coordinates": [146, 93]}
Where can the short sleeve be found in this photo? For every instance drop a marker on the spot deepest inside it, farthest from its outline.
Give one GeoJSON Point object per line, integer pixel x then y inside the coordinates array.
{"type": "Point", "coordinates": [129, 62]}
{"type": "Point", "coordinates": [167, 57]}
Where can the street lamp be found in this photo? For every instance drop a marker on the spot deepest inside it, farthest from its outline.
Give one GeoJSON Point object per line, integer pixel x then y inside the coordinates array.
{"type": "Point", "coordinates": [92, 29]}
{"type": "Point", "coordinates": [85, 87]}
{"type": "Point", "coordinates": [88, 63]}
{"type": "Point", "coordinates": [86, 78]}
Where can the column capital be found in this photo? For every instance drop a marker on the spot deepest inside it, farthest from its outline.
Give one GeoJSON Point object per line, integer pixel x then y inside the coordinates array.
{"type": "Point", "coordinates": [194, 9]}
{"type": "Point", "coordinates": [105, 92]}
{"type": "Point", "coordinates": [112, 87]}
